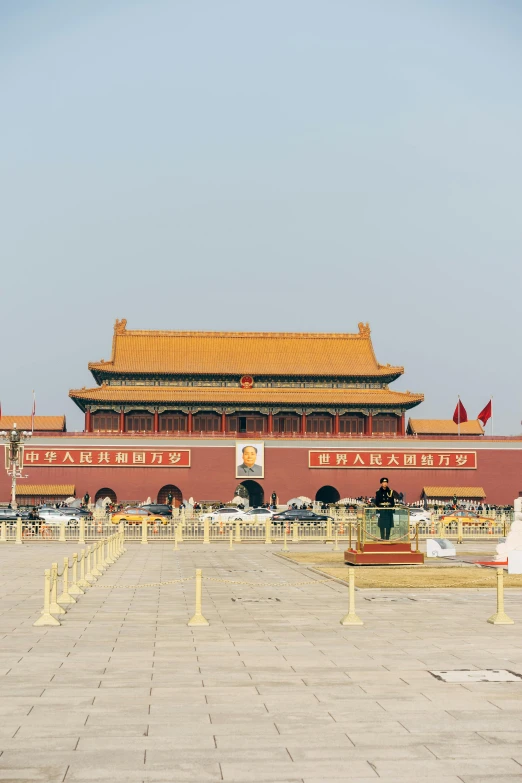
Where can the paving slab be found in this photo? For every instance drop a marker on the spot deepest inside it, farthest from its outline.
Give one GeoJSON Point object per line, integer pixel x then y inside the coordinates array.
{"type": "Point", "coordinates": [271, 691]}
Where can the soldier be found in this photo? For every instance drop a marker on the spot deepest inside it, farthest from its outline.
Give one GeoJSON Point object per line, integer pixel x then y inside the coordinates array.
{"type": "Point", "coordinates": [385, 500]}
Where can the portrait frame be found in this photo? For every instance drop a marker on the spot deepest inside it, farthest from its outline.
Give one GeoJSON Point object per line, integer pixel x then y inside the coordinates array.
{"type": "Point", "coordinates": [258, 467]}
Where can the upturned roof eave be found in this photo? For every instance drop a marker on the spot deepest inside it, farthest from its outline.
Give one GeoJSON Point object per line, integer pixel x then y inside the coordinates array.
{"type": "Point", "coordinates": [107, 369]}
{"type": "Point", "coordinates": [84, 397]}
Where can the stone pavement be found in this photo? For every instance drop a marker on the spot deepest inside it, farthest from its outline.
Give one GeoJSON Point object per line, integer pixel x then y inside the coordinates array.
{"type": "Point", "coordinates": [274, 690]}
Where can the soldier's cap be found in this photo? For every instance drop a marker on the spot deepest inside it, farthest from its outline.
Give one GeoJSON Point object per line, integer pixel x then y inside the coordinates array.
{"type": "Point", "coordinates": [383, 479]}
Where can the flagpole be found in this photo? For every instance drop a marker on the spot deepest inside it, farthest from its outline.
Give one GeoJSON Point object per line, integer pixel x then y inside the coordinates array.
{"type": "Point", "coordinates": [491, 401]}
{"type": "Point", "coordinates": [458, 414]}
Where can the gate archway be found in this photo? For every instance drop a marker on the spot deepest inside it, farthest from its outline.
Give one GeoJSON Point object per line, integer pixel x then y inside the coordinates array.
{"type": "Point", "coordinates": [253, 491]}
{"type": "Point", "coordinates": [177, 495]}
{"type": "Point", "coordinates": [327, 494]}
{"type": "Point", "coordinates": [106, 492]}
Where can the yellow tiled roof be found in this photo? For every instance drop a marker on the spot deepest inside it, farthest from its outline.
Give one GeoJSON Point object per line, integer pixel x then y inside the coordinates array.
{"type": "Point", "coordinates": [444, 427]}
{"type": "Point", "coordinates": [41, 423]}
{"type": "Point", "coordinates": [243, 353]}
{"type": "Point", "coordinates": [256, 395]}
{"type": "Point", "coordinates": [59, 490]}
{"type": "Point", "coordinates": [460, 492]}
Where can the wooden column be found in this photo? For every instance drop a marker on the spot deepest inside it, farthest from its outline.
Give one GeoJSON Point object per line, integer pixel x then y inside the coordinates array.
{"type": "Point", "coordinates": [270, 423]}
{"type": "Point", "coordinates": [368, 425]}
{"type": "Point", "coordinates": [401, 430]}
{"type": "Point", "coordinates": [156, 422]}
{"type": "Point", "coordinates": [122, 421]}
{"type": "Point", "coordinates": [336, 423]}
{"type": "Point", "coordinates": [223, 422]}
{"type": "Point", "coordinates": [189, 423]}
{"type": "Point", "coordinates": [88, 421]}
{"type": "Point", "coordinates": [303, 424]}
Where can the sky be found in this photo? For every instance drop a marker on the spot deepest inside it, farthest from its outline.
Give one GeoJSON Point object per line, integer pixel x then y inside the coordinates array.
{"type": "Point", "coordinates": [284, 165]}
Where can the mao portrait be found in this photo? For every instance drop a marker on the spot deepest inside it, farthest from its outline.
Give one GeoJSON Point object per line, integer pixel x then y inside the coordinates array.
{"type": "Point", "coordinates": [250, 460]}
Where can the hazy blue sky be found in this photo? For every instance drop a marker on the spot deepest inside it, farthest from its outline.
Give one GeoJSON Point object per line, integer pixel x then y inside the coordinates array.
{"type": "Point", "coordinates": [276, 165]}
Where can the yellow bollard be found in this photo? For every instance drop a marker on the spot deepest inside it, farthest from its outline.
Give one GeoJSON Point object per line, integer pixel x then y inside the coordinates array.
{"type": "Point", "coordinates": [460, 539]}
{"type": "Point", "coordinates": [144, 531]}
{"type": "Point", "coordinates": [500, 617]}
{"type": "Point", "coordinates": [238, 531]}
{"type": "Point", "coordinates": [46, 617]}
{"type": "Point", "coordinates": [295, 532]}
{"type": "Point", "coordinates": [285, 542]}
{"type": "Point", "coordinates": [231, 536]}
{"type": "Point", "coordinates": [351, 618]}
{"type": "Point", "coordinates": [268, 531]}
{"type": "Point", "coordinates": [62, 533]}
{"type": "Point", "coordinates": [75, 588]}
{"type": "Point", "coordinates": [95, 554]}
{"type": "Point", "coordinates": [328, 529]}
{"type": "Point", "coordinates": [336, 545]}
{"type": "Point", "coordinates": [18, 539]}
{"type": "Point", "coordinates": [110, 559]}
{"type": "Point", "coordinates": [101, 556]}
{"type": "Point", "coordinates": [198, 618]}
{"type": "Point", "coordinates": [89, 576]}
{"type": "Point", "coordinates": [83, 581]}
{"type": "Point", "coordinates": [206, 531]}
{"type": "Point", "coordinates": [81, 532]}
{"type": "Point", "coordinates": [3, 533]}
{"type": "Point", "coordinates": [55, 607]}
{"type": "Point", "coordinates": [66, 598]}
{"type": "Point", "coordinates": [122, 538]}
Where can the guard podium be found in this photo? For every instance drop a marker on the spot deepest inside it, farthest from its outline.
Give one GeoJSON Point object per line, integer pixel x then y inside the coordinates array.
{"type": "Point", "coordinates": [366, 547]}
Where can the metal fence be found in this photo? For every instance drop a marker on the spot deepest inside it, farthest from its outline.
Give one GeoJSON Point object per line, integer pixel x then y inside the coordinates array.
{"type": "Point", "coordinates": [342, 529]}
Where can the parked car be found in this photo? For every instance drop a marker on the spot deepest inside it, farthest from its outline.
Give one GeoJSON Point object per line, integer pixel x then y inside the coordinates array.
{"type": "Point", "coordinates": [419, 515]}
{"type": "Point", "coordinates": [224, 514]}
{"type": "Point", "coordinates": [55, 516]}
{"type": "Point", "coordinates": [158, 508]}
{"type": "Point", "coordinates": [466, 517]}
{"type": "Point", "coordinates": [300, 515]}
{"type": "Point", "coordinates": [135, 516]}
{"type": "Point", "coordinates": [254, 515]}
{"type": "Point", "coordinates": [10, 514]}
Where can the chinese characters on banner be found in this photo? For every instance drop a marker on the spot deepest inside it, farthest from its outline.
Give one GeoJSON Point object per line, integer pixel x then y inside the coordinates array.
{"type": "Point", "coordinates": [438, 460]}
{"type": "Point", "coordinates": [113, 457]}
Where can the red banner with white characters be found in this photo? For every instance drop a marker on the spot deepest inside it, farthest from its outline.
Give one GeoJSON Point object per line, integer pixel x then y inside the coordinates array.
{"type": "Point", "coordinates": [108, 457]}
{"type": "Point", "coordinates": [439, 460]}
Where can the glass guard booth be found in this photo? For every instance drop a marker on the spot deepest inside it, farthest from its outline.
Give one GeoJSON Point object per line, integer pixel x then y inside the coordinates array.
{"type": "Point", "coordinates": [383, 526]}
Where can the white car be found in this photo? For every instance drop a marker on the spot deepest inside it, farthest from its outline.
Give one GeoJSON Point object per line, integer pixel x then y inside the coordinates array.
{"type": "Point", "coordinates": [55, 516]}
{"type": "Point", "coordinates": [222, 515]}
{"type": "Point", "coordinates": [255, 515]}
{"type": "Point", "coordinates": [419, 515]}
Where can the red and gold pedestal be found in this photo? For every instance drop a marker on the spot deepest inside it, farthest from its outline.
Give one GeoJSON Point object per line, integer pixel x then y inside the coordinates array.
{"type": "Point", "coordinates": [384, 553]}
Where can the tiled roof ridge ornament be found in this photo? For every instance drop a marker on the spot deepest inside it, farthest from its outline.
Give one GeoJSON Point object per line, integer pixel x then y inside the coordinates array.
{"type": "Point", "coordinates": [364, 330]}
{"type": "Point", "coordinates": [120, 327]}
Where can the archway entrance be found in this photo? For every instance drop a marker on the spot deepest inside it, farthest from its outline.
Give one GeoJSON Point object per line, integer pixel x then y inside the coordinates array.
{"type": "Point", "coordinates": [327, 494]}
{"type": "Point", "coordinates": [177, 495]}
{"type": "Point", "coordinates": [106, 492]}
{"type": "Point", "coordinates": [251, 491]}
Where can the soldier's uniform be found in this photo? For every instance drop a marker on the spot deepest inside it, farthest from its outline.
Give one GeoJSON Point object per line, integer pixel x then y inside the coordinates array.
{"type": "Point", "coordinates": [385, 501]}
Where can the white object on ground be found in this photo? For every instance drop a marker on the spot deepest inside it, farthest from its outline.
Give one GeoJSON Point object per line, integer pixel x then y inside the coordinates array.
{"type": "Point", "coordinates": [440, 547]}
{"type": "Point", "coordinates": [515, 562]}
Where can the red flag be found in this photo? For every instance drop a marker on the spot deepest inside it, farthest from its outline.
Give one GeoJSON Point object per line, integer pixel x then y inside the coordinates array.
{"type": "Point", "coordinates": [485, 414]}
{"type": "Point", "coordinates": [460, 415]}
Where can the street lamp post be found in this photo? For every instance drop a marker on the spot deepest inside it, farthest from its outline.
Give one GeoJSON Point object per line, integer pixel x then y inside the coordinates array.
{"type": "Point", "coordinates": [14, 457]}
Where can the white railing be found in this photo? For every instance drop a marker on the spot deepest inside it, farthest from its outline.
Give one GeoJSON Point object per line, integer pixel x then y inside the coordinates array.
{"type": "Point", "coordinates": [197, 530]}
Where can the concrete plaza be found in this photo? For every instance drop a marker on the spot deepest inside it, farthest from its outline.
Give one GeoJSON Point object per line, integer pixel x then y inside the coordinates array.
{"type": "Point", "coordinates": [274, 690]}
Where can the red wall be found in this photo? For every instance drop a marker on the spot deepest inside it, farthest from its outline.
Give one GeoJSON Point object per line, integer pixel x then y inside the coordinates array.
{"type": "Point", "coordinates": [212, 476]}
